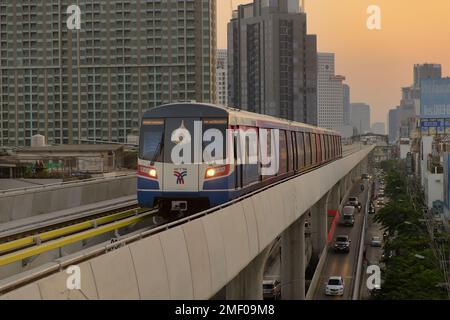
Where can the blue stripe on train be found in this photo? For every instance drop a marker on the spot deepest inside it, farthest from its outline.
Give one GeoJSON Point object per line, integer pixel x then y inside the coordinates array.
{"type": "Point", "coordinates": [147, 184]}
{"type": "Point", "coordinates": [250, 174]}
{"type": "Point", "coordinates": [224, 183]}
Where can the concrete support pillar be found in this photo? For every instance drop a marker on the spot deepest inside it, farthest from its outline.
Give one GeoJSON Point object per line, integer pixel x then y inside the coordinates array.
{"type": "Point", "coordinates": [247, 285]}
{"type": "Point", "coordinates": [341, 191]}
{"type": "Point", "coordinates": [293, 261]}
{"type": "Point", "coordinates": [319, 225]}
{"type": "Point", "coordinates": [333, 200]}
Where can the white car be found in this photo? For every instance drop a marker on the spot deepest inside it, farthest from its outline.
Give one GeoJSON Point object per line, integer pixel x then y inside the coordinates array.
{"type": "Point", "coordinates": [376, 241]}
{"type": "Point", "coordinates": [334, 286]}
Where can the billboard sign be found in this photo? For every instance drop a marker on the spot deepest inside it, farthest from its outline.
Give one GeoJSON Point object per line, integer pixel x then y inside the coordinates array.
{"type": "Point", "coordinates": [435, 98]}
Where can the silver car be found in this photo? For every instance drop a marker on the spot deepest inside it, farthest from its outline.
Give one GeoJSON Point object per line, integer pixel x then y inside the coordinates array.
{"type": "Point", "coordinates": [376, 241]}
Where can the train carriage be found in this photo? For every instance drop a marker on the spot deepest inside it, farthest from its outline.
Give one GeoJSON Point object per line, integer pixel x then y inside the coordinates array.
{"type": "Point", "coordinates": [238, 165]}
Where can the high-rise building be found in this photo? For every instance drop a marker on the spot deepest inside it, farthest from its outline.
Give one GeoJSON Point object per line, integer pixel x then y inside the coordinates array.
{"type": "Point", "coordinates": [360, 117]}
{"type": "Point", "coordinates": [330, 94]}
{"type": "Point", "coordinates": [426, 71]}
{"type": "Point", "coordinates": [435, 107]}
{"type": "Point", "coordinates": [222, 77]}
{"type": "Point", "coordinates": [408, 110]}
{"type": "Point", "coordinates": [379, 128]}
{"type": "Point", "coordinates": [272, 61]}
{"type": "Point", "coordinates": [346, 88]}
{"type": "Point", "coordinates": [310, 112]}
{"type": "Point", "coordinates": [393, 123]}
{"type": "Point", "coordinates": [94, 83]}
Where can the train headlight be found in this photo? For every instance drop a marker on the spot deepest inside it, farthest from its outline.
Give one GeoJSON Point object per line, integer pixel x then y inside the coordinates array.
{"type": "Point", "coordinates": [210, 173]}
{"type": "Point", "coordinates": [152, 173]}
{"type": "Point", "coordinates": [215, 172]}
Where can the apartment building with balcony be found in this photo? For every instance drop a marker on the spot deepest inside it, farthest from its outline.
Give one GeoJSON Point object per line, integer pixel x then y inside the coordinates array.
{"type": "Point", "coordinates": [93, 84]}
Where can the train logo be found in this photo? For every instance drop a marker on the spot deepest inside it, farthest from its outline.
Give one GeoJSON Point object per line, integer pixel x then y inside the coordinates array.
{"type": "Point", "coordinates": [180, 174]}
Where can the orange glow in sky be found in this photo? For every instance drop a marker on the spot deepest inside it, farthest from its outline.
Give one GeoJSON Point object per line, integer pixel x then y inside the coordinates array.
{"type": "Point", "coordinates": [376, 63]}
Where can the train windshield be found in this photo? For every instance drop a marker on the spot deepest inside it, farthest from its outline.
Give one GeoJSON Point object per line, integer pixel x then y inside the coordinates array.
{"type": "Point", "coordinates": [179, 131]}
{"type": "Point", "coordinates": [151, 141]}
{"type": "Point", "coordinates": [160, 137]}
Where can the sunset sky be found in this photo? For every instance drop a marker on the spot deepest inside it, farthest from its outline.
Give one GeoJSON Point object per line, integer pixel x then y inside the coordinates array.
{"type": "Point", "coordinates": [376, 63]}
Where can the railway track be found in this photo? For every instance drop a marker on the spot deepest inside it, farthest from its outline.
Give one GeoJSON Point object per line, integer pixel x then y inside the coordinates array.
{"type": "Point", "coordinates": [36, 228]}
{"type": "Point", "coordinates": [33, 241]}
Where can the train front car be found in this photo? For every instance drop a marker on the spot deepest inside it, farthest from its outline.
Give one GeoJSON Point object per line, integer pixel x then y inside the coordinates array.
{"type": "Point", "coordinates": [173, 173]}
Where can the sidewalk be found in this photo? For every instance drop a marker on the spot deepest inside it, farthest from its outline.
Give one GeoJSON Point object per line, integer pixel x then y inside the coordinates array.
{"type": "Point", "coordinates": [372, 254]}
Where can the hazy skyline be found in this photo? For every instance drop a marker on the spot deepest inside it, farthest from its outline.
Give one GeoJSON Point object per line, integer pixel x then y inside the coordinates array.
{"type": "Point", "coordinates": [376, 63]}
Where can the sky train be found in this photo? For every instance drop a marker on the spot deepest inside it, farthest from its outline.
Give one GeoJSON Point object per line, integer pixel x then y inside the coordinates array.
{"type": "Point", "coordinates": [195, 156]}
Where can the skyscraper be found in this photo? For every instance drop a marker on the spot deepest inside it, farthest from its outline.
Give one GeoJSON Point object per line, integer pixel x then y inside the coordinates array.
{"type": "Point", "coordinates": [360, 117]}
{"type": "Point", "coordinates": [222, 77]}
{"type": "Point", "coordinates": [426, 71]}
{"type": "Point", "coordinates": [330, 94]}
{"type": "Point", "coordinates": [272, 61]}
{"type": "Point", "coordinates": [409, 109]}
{"type": "Point", "coordinates": [311, 80]}
{"type": "Point", "coordinates": [394, 125]}
{"type": "Point", "coordinates": [346, 88]}
{"type": "Point", "coordinates": [94, 83]}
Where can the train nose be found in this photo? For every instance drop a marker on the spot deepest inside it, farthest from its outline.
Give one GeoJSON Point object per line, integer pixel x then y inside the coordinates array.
{"type": "Point", "coordinates": [180, 178]}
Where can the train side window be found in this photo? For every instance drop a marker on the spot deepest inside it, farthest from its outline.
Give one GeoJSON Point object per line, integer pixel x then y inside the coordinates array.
{"type": "Point", "coordinates": [283, 152]}
{"type": "Point", "coordinates": [290, 149]}
{"type": "Point", "coordinates": [220, 125]}
{"type": "Point", "coordinates": [333, 147]}
{"type": "Point", "coordinates": [269, 154]}
{"type": "Point", "coordinates": [328, 148]}
{"type": "Point", "coordinates": [250, 169]}
{"type": "Point", "coordinates": [330, 143]}
{"type": "Point", "coordinates": [295, 149]}
{"type": "Point", "coordinates": [322, 147]}
{"type": "Point", "coordinates": [336, 152]}
{"type": "Point", "coordinates": [238, 168]}
{"type": "Point", "coordinates": [318, 148]}
{"type": "Point", "coordinates": [308, 153]}
{"type": "Point", "coordinates": [300, 150]}
{"type": "Point", "coordinates": [313, 149]}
